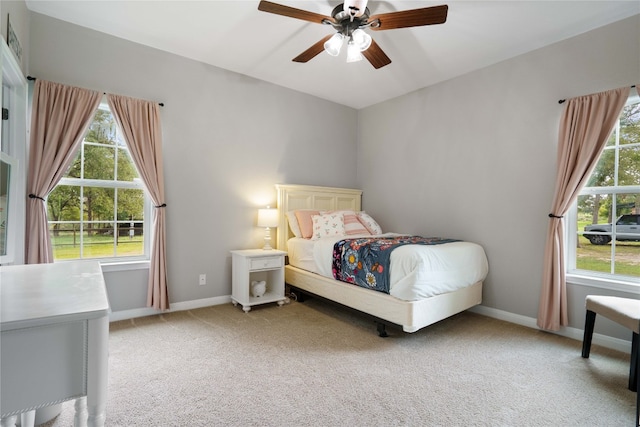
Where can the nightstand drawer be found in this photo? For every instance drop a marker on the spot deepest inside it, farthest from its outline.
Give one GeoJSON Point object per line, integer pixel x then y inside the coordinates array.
{"type": "Point", "coordinates": [266, 262]}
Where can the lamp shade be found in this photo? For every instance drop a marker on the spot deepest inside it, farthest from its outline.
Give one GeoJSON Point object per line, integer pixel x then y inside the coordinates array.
{"type": "Point", "coordinates": [268, 218]}
{"type": "Point", "coordinates": [333, 45]}
{"type": "Point", "coordinates": [353, 52]}
{"type": "Point", "coordinates": [361, 39]}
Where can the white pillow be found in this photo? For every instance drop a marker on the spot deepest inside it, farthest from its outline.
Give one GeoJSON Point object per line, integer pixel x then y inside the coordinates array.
{"type": "Point", "coordinates": [369, 223]}
{"type": "Point", "coordinates": [328, 225]}
{"type": "Point", "coordinates": [293, 223]}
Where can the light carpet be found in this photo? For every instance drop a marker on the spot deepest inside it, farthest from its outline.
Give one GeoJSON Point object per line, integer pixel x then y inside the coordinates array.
{"type": "Point", "coordinates": [315, 364]}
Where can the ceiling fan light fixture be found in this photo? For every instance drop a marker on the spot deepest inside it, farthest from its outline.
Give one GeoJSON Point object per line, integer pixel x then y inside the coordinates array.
{"type": "Point", "coordinates": [361, 39]}
{"type": "Point", "coordinates": [351, 16]}
{"type": "Point", "coordinates": [353, 52]}
{"type": "Point", "coordinates": [333, 45]}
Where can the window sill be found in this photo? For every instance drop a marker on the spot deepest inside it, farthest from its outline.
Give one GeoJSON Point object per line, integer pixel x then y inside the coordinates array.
{"type": "Point", "coordinates": [112, 266]}
{"type": "Point", "coordinates": [628, 285]}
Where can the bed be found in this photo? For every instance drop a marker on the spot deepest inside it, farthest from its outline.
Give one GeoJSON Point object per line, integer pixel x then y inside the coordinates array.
{"type": "Point", "coordinates": [410, 311]}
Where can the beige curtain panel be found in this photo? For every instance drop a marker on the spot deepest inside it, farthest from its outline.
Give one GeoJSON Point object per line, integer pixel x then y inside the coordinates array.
{"type": "Point", "coordinates": [59, 119]}
{"type": "Point", "coordinates": [585, 127]}
{"type": "Point", "coordinates": [139, 122]}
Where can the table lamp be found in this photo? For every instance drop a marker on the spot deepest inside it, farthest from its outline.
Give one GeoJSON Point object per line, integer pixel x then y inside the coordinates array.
{"type": "Point", "coordinates": [267, 218]}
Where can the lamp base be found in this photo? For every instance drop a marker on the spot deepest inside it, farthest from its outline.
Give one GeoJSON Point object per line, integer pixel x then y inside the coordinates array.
{"type": "Point", "coordinates": [267, 240]}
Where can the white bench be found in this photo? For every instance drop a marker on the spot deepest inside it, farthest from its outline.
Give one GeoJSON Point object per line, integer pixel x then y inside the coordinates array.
{"type": "Point", "coordinates": [626, 312]}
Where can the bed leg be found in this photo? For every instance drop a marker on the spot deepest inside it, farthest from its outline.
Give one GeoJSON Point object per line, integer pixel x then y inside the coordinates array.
{"type": "Point", "coordinates": [382, 330]}
{"type": "Point", "coordinates": [295, 294]}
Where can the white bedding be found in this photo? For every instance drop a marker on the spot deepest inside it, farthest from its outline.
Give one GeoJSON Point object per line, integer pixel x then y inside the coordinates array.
{"type": "Point", "coordinates": [300, 252]}
{"type": "Point", "coordinates": [416, 271]}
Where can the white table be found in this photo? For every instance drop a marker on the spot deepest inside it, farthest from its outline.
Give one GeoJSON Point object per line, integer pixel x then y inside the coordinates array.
{"type": "Point", "coordinates": [257, 264]}
{"type": "Point", "coordinates": [54, 340]}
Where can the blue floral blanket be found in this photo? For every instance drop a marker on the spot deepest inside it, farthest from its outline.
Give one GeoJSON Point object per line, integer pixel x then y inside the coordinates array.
{"type": "Point", "coordinates": [365, 261]}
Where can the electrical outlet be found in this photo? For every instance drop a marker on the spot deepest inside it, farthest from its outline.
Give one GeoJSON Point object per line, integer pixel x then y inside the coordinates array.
{"type": "Point", "coordinates": [203, 279]}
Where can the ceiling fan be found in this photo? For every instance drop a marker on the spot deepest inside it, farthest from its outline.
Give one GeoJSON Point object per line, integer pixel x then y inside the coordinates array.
{"type": "Point", "coordinates": [350, 19]}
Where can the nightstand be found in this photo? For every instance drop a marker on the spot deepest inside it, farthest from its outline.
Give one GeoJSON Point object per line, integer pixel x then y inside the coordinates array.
{"type": "Point", "coordinates": [257, 265]}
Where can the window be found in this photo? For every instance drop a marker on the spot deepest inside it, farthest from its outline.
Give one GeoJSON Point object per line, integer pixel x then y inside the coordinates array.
{"type": "Point", "coordinates": [99, 208]}
{"type": "Point", "coordinates": [604, 226]}
{"type": "Point", "coordinates": [13, 149]}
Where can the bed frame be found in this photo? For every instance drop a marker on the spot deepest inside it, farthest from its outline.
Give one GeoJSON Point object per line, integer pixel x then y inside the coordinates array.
{"type": "Point", "coordinates": [410, 315]}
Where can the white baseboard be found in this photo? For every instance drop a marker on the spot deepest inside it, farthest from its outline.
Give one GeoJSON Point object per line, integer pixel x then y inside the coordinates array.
{"type": "Point", "coordinates": [573, 333]}
{"type": "Point", "coordinates": [529, 322]}
{"type": "Point", "coordinates": [176, 306]}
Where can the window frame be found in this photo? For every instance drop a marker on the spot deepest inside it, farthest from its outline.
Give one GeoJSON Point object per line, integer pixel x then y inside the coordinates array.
{"type": "Point", "coordinates": [610, 281]}
{"type": "Point", "coordinates": [114, 184]}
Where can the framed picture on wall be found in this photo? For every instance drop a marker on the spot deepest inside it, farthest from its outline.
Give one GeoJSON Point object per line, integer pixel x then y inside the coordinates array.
{"type": "Point", "coordinates": [13, 42]}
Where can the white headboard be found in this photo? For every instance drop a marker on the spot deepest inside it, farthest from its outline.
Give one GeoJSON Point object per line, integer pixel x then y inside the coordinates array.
{"type": "Point", "coordinates": [292, 197]}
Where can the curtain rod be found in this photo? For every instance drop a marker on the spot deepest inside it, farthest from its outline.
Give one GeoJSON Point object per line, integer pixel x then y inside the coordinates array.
{"type": "Point", "coordinates": [104, 93]}
{"type": "Point", "coordinates": [563, 100]}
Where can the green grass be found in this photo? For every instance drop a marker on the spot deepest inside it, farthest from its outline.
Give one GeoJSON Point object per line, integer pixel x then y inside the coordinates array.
{"type": "Point", "coordinates": [95, 246]}
{"type": "Point", "coordinates": [598, 257]}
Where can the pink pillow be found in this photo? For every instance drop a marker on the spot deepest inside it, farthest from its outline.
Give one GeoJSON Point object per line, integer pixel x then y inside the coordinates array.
{"type": "Point", "coordinates": [305, 221]}
{"type": "Point", "coordinates": [352, 225]}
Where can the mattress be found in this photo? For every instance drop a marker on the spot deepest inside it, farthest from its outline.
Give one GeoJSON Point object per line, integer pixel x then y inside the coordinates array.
{"type": "Point", "coordinates": [416, 271]}
{"type": "Point", "coordinates": [300, 252]}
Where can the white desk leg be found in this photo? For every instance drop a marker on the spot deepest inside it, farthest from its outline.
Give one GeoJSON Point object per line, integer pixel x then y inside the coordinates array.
{"type": "Point", "coordinates": [97, 371]}
{"type": "Point", "coordinates": [80, 416]}
{"type": "Point", "coordinates": [9, 421]}
{"type": "Point", "coordinates": [28, 419]}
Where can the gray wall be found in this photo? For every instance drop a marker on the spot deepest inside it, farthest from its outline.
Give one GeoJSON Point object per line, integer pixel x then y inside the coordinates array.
{"type": "Point", "coordinates": [475, 157]}
{"type": "Point", "coordinates": [18, 14]}
{"type": "Point", "coordinates": [227, 140]}
{"type": "Point", "coordinates": [472, 158]}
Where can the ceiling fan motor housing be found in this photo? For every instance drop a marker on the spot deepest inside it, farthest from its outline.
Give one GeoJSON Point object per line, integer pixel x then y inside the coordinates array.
{"type": "Point", "coordinates": [355, 8]}
{"type": "Point", "coordinates": [346, 23]}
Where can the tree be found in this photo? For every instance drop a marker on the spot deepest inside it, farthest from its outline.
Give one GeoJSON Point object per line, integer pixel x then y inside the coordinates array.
{"type": "Point", "coordinates": [628, 172]}
{"type": "Point", "coordinates": [105, 158]}
{"type": "Point", "coordinates": [63, 203]}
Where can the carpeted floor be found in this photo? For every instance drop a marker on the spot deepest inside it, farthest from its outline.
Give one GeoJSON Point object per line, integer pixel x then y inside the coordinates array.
{"type": "Point", "coordinates": [315, 364]}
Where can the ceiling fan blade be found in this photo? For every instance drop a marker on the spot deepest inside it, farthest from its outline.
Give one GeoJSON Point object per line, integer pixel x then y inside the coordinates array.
{"type": "Point", "coordinates": [292, 12]}
{"type": "Point", "coordinates": [376, 56]}
{"type": "Point", "coordinates": [314, 50]}
{"type": "Point", "coordinates": [411, 18]}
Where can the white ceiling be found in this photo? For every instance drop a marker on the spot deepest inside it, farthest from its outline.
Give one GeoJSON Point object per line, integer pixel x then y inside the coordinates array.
{"type": "Point", "coordinates": [235, 36]}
